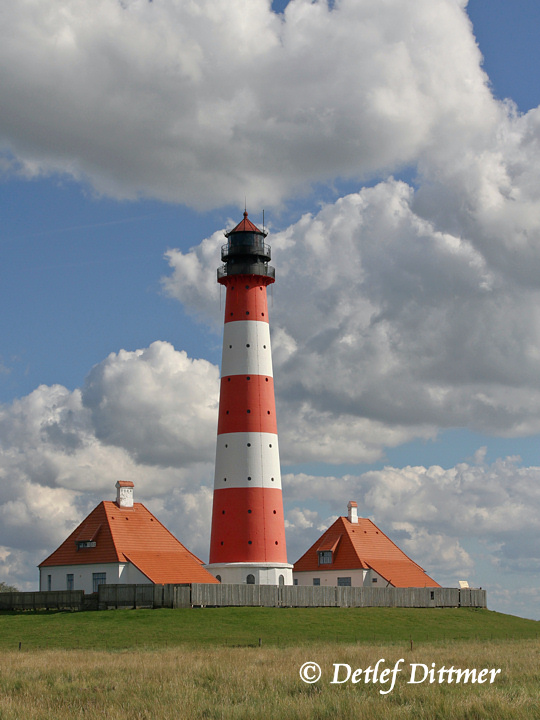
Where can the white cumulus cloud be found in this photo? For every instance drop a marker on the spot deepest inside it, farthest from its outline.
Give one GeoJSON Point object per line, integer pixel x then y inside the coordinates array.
{"type": "Point", "coordinates": [387, 328]}
{"type": "Point", "coordinates": [149, 416]}
{"type": "Point", "coordinates": [201, 102]}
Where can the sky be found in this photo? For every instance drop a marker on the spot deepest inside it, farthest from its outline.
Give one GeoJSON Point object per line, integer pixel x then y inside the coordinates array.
{"type": "Point", "coordinates": [395, 150]}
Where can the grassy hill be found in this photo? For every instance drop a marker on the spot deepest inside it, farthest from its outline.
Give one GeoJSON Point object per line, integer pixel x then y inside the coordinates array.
{"type": "Point", "coordinates": [242, 627]}
{"type": "Point", "coordinates": [206, 664]}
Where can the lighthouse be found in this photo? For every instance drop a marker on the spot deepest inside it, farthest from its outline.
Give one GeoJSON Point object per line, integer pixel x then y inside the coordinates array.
{"type": "Point", "coordinates": [247, 542]}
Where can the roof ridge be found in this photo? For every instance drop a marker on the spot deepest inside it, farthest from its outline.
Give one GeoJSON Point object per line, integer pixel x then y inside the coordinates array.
{"type": "Point", "coordinates": [105, 504]}
{"type": "Point", "coordinates": [168, 531]}
{"type": "Point", "coordinates": [394, 544]}
{"type": "Point", "coordinates": [98, 514]}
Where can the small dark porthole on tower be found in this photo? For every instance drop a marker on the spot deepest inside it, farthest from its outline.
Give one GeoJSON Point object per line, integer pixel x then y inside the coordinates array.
{"type": "Point", "coordinates": [222, 542]}
{"type": "Point", "coordinates": [249, 542]}
{"type": "Point", "coordinates": [264, 346]}
{"type": "Point", "coordinates": [228, 379]}
{"type": "Point", "coordinates": [275, 511]}
{"type": "Point", "coordinates": [270, 445]}
{"type": "Point", "coordinates": [277, 542]}
{"type": "Point", "coordinates": [218, 578]}
{"type": "Point", "coordinates": [249, 512]}
{"type": "Point", "coordinates": [248, 378]}
{"type": "Point", "coordinates": [249, 411]}
{"type": "Point", "coordinates": [223, 512]}
{"type": "Point", "coordinates": [230, 347]}
{"type": "Point", "coordinates": [268, 412]}
{"type": "Point", "coordinates": [249, 478]}
{"type": "Point", "coordinates": [266, 379]}
{"type": "Point", "coordinates": [247, 312]}
{"type": "Point", "coordinates": [247, 345]}
{"type": "Point", "coordinates": [249, 444]}
{"type": "Point", "coordinates": [272, 479]}
{"type": "Point", "coordinates": [224, 479]}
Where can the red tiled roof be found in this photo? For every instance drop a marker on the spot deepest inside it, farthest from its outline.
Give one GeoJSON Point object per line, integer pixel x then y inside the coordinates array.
{"type": "Point", "coordinates": [404, 573]}
{"type": "Point", "coordinates": [245, 225]}
{"type": "Point", "coordinates": [363, 546]}
{"type": "Point", "coordinates": [131, 535]}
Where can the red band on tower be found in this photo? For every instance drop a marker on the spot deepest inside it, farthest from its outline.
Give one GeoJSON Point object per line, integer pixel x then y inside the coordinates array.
{"type": "Point", "coordinates": [246, 404]}
{"type": "Point", "coordinates": [256, 514]}
{"type": "Point", "coordinates": [246, 299]}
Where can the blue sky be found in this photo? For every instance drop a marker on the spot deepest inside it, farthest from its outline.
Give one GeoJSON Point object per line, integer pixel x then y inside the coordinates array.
{"type": "Point", "coordinates": [84, 272]}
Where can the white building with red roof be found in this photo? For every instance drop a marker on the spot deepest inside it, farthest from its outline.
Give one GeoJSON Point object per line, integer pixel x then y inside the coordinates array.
{"type": "Point", "coordinates": [120, 542]}
{"type": "Point", "coordinates": [354, 552]}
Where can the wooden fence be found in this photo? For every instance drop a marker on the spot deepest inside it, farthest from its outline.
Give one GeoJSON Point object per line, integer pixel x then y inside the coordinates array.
{"type": "Point", "coordinates": [50, 600]}
{"type": "Point", "coordinates": [317, 596]}
{"type": "Point", "coordinates": [111, 597]}
{"type": "Point", "coordinates": [200, 595]}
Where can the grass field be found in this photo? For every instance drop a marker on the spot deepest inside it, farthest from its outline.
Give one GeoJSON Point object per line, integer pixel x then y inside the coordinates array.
{"type": "Point", "coordinates": [124, 629]}
{"type": "Point", "coordinates": [207, 663]}
{"type": "Point", "coordinates": [247, 683]}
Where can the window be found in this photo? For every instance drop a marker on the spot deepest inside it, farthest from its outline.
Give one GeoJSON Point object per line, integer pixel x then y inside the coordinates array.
{"type": "Point", "coordinates": [250, 579]}
{"type": "Point", "coordinates": [81, 544]}
{"type": "Point", "coordinates": [295, 581]}
{"type": "Point", "coordinates": [49, 582]}
{"type": "Point", "coordinates": [97, 580]}
{"type": "Point", "coordinates": [281, 580]}
{"type": "Point", "coordinates": [70, 583]}
{"type": "Point", "coordinates": [316, 581]}
{"type": "Point", "coordinates": [432, 594]}
{"type": "Point", "coordinates": [344, 582]}
{"type": "Point", "coordinates": [373, 579]}
{"type": "Point", "coordinates": [325, 557]}
{"type": "Point", "coordinates": [218, 577]}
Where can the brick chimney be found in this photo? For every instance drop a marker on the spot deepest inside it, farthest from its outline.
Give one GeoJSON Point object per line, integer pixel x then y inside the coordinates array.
{"type": "Point", "coordinates": [352, 507]}
{"type": "Point", "coordinates": [124, 493]}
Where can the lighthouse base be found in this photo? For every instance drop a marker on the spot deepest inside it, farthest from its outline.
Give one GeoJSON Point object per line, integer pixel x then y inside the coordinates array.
{"type": "Point", "coordinates": [252, 573]}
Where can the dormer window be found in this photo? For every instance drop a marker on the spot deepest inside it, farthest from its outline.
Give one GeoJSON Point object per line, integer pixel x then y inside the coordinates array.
{"type": "Point", "coordinates": [87, 538]}
{"type": "Point", "coordinates": [81, 544]}
{"type": "Point", "coordinates": [327, 549]}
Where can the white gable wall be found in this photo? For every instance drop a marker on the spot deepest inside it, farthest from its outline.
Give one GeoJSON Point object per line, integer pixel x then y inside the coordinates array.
{"type": "Point", "coordinates": [359, 578]}
{"type": "Point", "coordinates": [330, 577]}
{"type": "Point", "coordinates": [83, 575]}
{"type": "Point", "coordinates": [373, 579]}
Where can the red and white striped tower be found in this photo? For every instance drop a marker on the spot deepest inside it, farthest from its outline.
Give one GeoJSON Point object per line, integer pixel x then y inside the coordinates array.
{"type": "Point", "coordinates": [248, 529]}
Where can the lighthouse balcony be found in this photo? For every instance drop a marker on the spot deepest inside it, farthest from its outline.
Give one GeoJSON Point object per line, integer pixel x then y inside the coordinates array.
{"type": "Point", "coordinates": [246, 268]}
{"type": "Point", "coordinates": [249, 247]}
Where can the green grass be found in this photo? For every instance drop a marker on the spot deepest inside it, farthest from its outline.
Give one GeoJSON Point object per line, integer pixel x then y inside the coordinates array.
{"type": "Point", "coordinates": [242, 627]}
